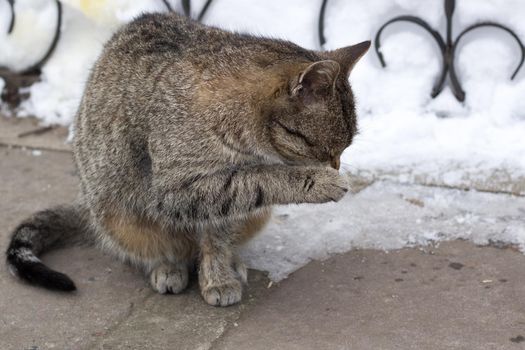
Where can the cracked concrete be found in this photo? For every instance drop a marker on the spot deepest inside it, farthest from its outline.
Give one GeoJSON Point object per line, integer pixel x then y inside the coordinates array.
{"type": "Point", "coordinates": [28, 132]}
{"type": "Point", "coordinates": [455, 296]}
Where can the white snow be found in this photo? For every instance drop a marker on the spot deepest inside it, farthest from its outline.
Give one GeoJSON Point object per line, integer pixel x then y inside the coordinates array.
{"type": "Point", "coordinates": [403, 131]}
{"type": "Point", "coordinates": [386, 216]}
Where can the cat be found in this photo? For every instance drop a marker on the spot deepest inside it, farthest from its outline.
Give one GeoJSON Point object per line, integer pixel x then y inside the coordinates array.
{"type": "Point", "coordinates": [185, 137]}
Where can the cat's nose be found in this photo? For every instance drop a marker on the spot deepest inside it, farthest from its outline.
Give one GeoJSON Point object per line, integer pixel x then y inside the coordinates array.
{"type": "Point", "coordinates": [335, 163]}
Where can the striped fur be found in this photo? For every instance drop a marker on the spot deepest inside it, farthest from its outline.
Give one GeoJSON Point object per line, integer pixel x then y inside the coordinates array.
{"type": "Point", "coordinates": [43, 231]}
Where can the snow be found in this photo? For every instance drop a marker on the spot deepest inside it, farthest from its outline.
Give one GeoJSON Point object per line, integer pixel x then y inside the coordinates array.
{"type": "Point", "coordinates": [405, 135]}
{"type": "Point", "coordinates": [385, 215]}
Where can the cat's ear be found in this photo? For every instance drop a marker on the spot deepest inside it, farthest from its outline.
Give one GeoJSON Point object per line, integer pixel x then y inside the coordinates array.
{"type": "Point", "coordinates": [316, 81]}
{"type": "Point", "coordinates": [349, 56]}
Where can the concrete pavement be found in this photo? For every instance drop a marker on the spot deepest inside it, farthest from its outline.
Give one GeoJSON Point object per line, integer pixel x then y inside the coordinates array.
{"type": "Point", "coordinates": [456, 296]}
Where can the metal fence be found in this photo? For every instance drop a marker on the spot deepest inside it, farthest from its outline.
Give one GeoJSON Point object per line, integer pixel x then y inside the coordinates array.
{"type": "Point", "coordinates": [448, 47]}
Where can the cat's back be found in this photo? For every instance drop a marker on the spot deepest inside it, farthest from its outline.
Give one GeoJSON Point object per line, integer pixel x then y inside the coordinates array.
{"type": "Point", "coordinates": [156, 34]}
{"type": "Point", "coordinates": [157, 56]}
{"type": "Point", "coordinates": [173, 37]}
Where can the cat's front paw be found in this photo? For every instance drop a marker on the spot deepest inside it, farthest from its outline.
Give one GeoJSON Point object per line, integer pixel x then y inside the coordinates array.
{"type": "Point", "coordinates": [323, 185]}
{"type": "Point", "coordinates": [169, 278]}
{"type": "Point", "coordinates": [224, 294]}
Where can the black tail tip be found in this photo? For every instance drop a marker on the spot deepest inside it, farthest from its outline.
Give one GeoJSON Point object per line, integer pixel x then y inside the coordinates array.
{"type": "Point", "coordinates": [59, 282]}
{"type": "Point", "coordinates": [41, 275]}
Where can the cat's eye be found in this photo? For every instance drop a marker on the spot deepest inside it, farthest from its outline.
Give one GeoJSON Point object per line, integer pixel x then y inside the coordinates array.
{"type": "Point", "coordinates": [296, 133]}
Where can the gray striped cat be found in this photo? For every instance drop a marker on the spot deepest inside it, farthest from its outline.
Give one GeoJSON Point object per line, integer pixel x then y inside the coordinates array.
{"type": "Point", "coordinates": [185, 137]}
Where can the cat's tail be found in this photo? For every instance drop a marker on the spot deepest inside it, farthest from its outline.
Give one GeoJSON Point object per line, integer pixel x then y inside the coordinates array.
{"type": "Point", "coordinates": [40, 233]}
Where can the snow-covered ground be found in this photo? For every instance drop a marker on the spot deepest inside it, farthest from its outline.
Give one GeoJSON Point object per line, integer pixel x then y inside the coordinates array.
{"type": "Point", "coordinates": [386, 215]}
{"type": "Point", "coordinates": [403, 130]}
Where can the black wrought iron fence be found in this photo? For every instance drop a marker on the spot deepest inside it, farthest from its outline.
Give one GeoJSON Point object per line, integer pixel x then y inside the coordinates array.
{"type": "Point", "coordinates": [27, 76]}
{"type": "Point", "coordinates": [36, 67]}
{"type": "Point", "coordinates": [448, 48]}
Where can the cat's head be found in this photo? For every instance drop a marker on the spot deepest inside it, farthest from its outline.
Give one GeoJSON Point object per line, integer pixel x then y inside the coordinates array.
{"type": "Point", "coordinates": [313, 119]}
